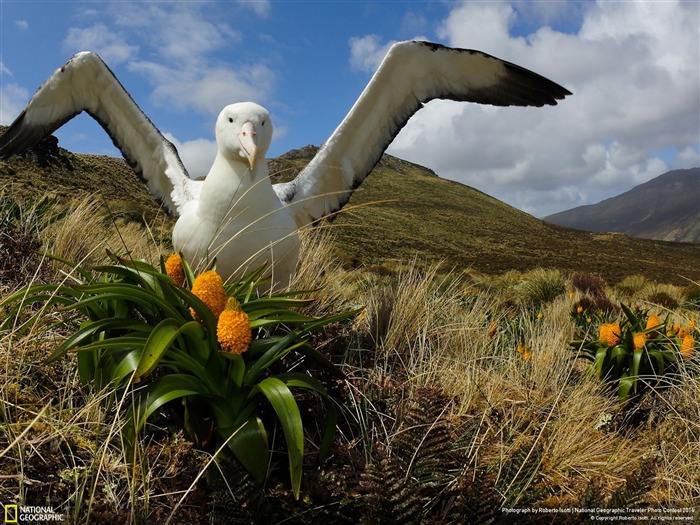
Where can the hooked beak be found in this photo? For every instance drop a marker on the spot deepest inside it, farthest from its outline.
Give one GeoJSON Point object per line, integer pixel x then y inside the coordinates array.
{"type": "Point", "coordinates": [249, 142]}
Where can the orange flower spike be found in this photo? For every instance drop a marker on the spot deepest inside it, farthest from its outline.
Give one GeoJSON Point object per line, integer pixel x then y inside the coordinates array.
{"type": "Point", "coordinates": [610, 334]}
{"type": "Point", "coordinates": [174, 269]}
{"type": "Point", "coordinates": [233, 328]}
{"type": "Point", "coordinates": [209, 287]}
{"type": "Point", "coordinates": [640, 340]}
{"type": "Point", "coordinates": [688, 347]}
{"type": "Point", "coordinates": [653, 321]}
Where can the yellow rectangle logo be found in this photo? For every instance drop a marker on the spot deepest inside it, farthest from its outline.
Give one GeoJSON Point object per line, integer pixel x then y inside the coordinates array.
{"type": "Point", "coordinates": [11, 513]}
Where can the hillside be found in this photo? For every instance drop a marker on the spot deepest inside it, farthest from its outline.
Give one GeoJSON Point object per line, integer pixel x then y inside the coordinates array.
{"type": "Point", "coordinates": [402, 211]}
{"type": "Point", "coordinates": [665, 208]}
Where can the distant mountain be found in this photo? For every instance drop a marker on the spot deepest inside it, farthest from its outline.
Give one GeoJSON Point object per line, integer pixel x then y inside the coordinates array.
{"type": "Point", "coordinates": [666, 208]}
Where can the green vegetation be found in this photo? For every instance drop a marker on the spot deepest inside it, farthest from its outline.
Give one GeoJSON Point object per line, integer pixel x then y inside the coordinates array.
{"type": "Point", "coordinates": [459, 397]}
{"type": "Point", "coordinates": [187, 343]}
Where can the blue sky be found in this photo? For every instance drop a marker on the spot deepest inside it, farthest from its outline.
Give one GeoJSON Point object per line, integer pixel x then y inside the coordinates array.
{"type": "Point", "coordinates": [633, 68]}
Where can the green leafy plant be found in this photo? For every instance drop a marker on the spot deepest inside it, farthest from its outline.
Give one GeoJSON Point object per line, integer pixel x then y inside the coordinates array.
{"type": "Point", "coordinates": [146, 335]}
{"type": "Point", "coordinates": [635, 352]}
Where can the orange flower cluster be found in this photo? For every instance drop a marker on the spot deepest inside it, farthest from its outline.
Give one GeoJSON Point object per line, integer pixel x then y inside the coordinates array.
{"type": "Point", "coordinates": [653, 321]}
{"type": "Point", "coordinates": [175, 270]}
{"type": "Point", "coordinates": [209, 287]}
{"type": "Point", "coordinates": [640, 340]}
{"type": "Point", "coordinates": [688, 347]}
{"type": "Point", "coordinates": [233, 328]}
{"type": "Point", "coordinates": [610, 333]}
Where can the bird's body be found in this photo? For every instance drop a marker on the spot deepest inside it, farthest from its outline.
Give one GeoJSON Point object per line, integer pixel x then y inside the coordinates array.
{"type": "Point", "coordinates": [236, 215]}
{"type": "Point", "coordinates": [239, 220]}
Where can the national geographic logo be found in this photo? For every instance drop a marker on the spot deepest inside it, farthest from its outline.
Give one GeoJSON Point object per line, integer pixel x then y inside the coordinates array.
{"type": "Point", "coordinates": [31, 514]}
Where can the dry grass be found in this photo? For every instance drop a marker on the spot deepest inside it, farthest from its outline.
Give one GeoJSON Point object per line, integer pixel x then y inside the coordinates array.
{"type": "Point", "coordinates": [60, 446]}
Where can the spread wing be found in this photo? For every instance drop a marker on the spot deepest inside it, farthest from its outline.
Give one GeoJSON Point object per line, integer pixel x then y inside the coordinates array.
{"type": "Point", "coordinates": [411, 74]}
{"type": "Point", "coordinates": [85, 83]}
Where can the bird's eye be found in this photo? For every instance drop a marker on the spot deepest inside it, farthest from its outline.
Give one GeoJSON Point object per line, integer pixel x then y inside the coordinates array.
{"type": "Point", "coordinates": [263, 123]}
{"type": "Point", "coordinates": [230, 119]}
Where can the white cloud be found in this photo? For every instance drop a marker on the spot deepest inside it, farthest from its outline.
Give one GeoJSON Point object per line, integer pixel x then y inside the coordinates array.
{"type": "Point", "coordinates": [634, 72]}
{"type": "Point", "coordinates": [180, 44]}
{"type": "Point", "coordinates": [259, 7]}
{"type": "Point", "coordinates": [22, 24]}
{"type": "Point", "coordinates": [197, 155]}
{"type": "Point", "coordinates": [205, 90]}
{"type": "Point", "coordinates": [111, 46]}
{"type": "Point", "coordinates": [12, 101]}
{"type": "Point", "coordinates": [367, 52]}
{"type": "Point", "coordinates": [687, 158]}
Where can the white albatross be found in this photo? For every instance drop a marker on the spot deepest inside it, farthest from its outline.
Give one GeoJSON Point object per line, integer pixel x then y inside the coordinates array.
{"type": "Point", "coordinates": [235, 214]}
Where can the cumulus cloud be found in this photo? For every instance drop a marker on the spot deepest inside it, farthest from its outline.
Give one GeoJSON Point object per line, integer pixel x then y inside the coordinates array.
{"type": "Point", "coordinates": [367, 52]}
{"type": "Point", "coordinates": [12, 99]}
{"type": "Point", "coordinates": [197, 155]}
{"type": "Point", "coordinates": [22, 24]}
{"type": "Point", "coordinates": [204, 89]}
{"type": "Point", "coordinates": [176, 48]}
{"type": "Point", "coordinates": [633, 69]}
{"type": "Point", "coordinates": [111, 46]}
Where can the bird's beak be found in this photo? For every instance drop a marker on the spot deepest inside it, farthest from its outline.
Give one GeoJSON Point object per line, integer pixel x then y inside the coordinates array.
{"type": "Point", "coordinates": [249, 142]}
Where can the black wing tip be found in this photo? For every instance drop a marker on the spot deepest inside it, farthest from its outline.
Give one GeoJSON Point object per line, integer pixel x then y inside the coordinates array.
{"type": "Point", "coordinates": [544, 91]}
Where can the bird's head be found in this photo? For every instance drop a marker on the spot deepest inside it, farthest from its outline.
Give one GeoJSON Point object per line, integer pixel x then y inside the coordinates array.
{"type": "Point", "coordinates": [244, 132]}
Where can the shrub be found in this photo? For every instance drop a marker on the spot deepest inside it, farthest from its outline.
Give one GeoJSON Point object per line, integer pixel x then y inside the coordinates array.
{"type": "Point", "coordinates": [636, 351]}
{"type": "Point", "coordinates": [152, 341]}
{"type": "Point", "coordinates": [540, 287]}
{"type": "Point", "coordinates": [691, 295]}
{"type": "Point", "coordinates": [632, 285]}
{"type": "Point", "coordinates": [588, 283]}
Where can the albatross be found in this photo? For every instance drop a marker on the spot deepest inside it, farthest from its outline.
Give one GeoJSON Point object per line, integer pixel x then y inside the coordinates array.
{"type": "Point", "coordinates": [236, 214]}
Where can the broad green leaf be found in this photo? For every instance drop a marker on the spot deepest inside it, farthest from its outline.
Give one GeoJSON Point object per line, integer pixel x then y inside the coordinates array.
{"type": "Point", "coordinates": [236, 367]}
{"type": "Point", "coordinates": [634, 365]}
{"type": "Point", "coordinates": [296, 380]}
{"type": "Point", "coordinates": [249, 444]}
{"type": "Point", "coordinates": [125, 342]}
{"type": "Point", "coordinates": [157, 344]}
{"type": "Point", "coordinates": [658, 365]}
{"type": "Point", "coordinates": [126, 292]}
{"type": "Point", "coordinates": [164, 390]}
{"type": "Point", "coordinates": [87, 367]}
{"type": "Point", "coordinates": [599, 361]}
{"type": "Point", "coordinates": [282, 401]}
{"type": "Point", "coordinates": [91, 329]}
{"type": "Point", "coordinates": [197, 341]}
{"type": "Point", "coordinates": [626, 384]}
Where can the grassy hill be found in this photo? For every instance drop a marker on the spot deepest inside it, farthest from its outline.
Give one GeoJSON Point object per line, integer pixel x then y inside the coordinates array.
{"type": "Point", "coordinates": [402, 211]}
{"type": "Point", "coordinates": [664, 208]}
{"type": "Point", "coordinates": [461, 400]}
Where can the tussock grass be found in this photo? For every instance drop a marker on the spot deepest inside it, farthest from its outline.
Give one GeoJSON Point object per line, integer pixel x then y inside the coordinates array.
{"type": "Point", "coordinates": [463, 376]}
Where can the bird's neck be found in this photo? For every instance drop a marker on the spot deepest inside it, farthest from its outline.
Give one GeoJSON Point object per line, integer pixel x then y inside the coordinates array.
{"type": "Point", "coordinates": [230, 181]}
